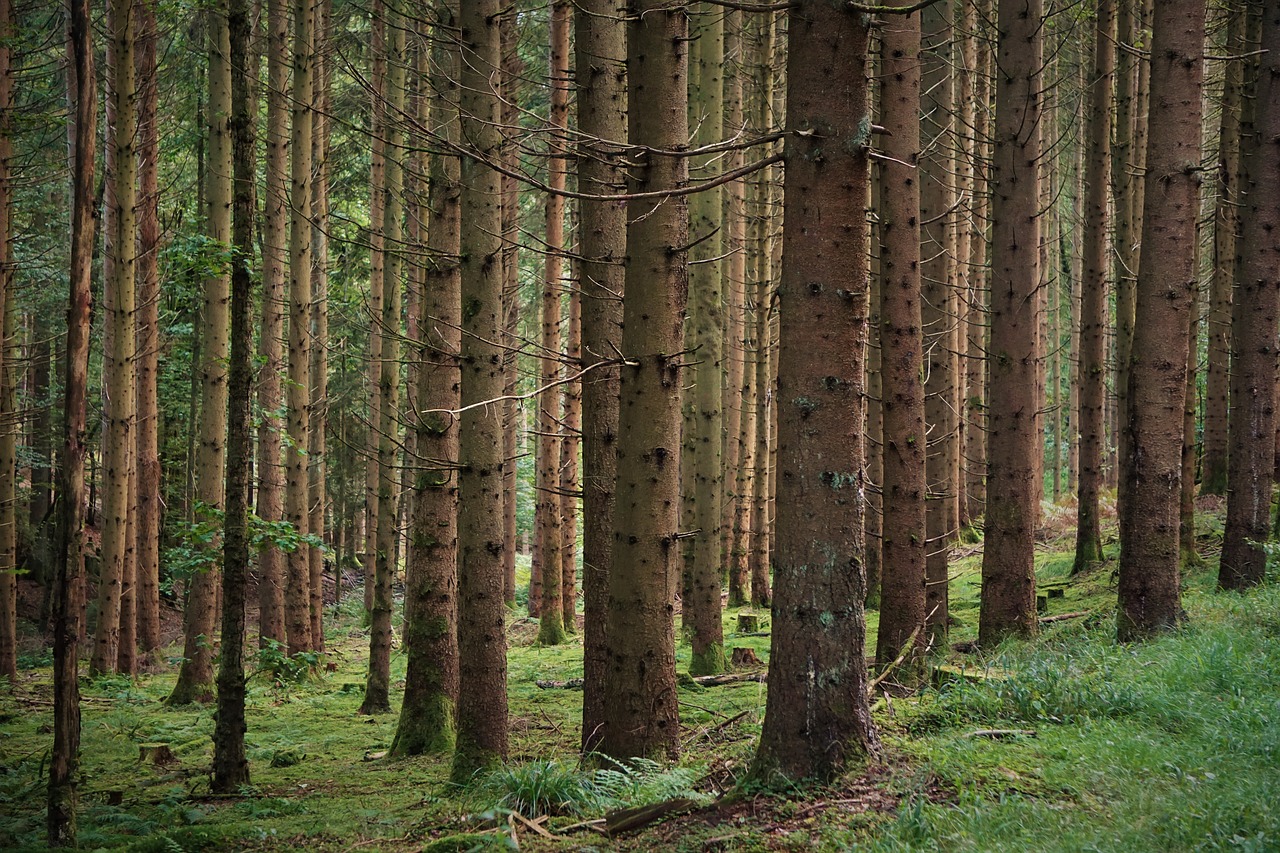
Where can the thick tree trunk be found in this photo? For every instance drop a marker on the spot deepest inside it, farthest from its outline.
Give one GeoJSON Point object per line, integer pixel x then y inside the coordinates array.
{"type": "Point", "coordinates": [641, 717]}
{"type": "Point", "coordinates": [1253, 329]}
{"type": "Point", "coordinates": [230, 765]}
{"type": "Point", "coordinates": [817, 721]}
{"type": "Point", "coordinates": [1013, 432]}
{"type": "Point", "coordinates": [1149, 573]}
{"type": "Point", "coordinates": [426, 724]}
{"type": "Point", "coordinates": [68, 586]}
{"type": "Point", "coordinates": [195, 678]}
{"type": "Point", "coordinates": [482, 646]}
{"type": "Point", "coordinates": [902, 596]}
{"type": "Point", "coordinates": [271, 560]}
{"type": "Point", "coordinates": [600, 53]}
{"type": "Point", "coordinates": [1093, 291]}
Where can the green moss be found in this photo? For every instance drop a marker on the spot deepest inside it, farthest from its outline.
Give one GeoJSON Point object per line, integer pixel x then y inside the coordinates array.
{"type": "Point", "coordinates": [712, 661]}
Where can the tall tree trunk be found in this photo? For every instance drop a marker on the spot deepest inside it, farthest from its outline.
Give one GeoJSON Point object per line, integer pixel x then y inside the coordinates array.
{"type": "Point", "coordinates": [1213, 478]}
{"type": "Point", "coordinates": [641, 717]}
{"type": "Point", "coordinates": [68, 586]}
{"type": "Point", "coordinates": [550, 533]}
{"type": "Point", "coordinates": [817, 720]}
{"type": "Point", "coordinates": [1149, 577]}
{"type": "Point", "coordinates": [230, 765]}
{"type": "Point", "coordinates": [271, 560]}
{"type": "Point", "coordinates": [976, 380]}
{"type": "Point", "coordinates": [570, 446]}
{"type": "Point", "coordinates": [296, 499]}
{"type": "Point", "coordinates": [426, 724]}
{"type": "Point", "coordinates": [1013, 432]}
{"type": "Point", "coordinates": [903, 549]}
{"type": "Point", "coordinates": [377, 261]}
{"type": "Point", "coordinates": [147, 470]}
{"type": "Point", "coordinates": [377, 692]}
{"type": "Point", "coordinates": [8, 370]}
{"type": "Point", "coordinates": [319, 320]}
{"type": "Point", "coordinates": [195, 678]}
{"type": "Point", "coordinates": [703, 443]}
{"type": "Point", "coordinates": [482, 646]}
{"type": "Point", "coordinates": [600, 74]}
{"type": "Point", "coordinates": [512, 84]}
{"type": "Point", "coordinates": [118, 364]}
{"type": "Point", "coordinates": [1253, 329]}
{"type": "Point", "coordinates": [1093, 291]}
{"type": "Point", "coordinates": [1126, 234]}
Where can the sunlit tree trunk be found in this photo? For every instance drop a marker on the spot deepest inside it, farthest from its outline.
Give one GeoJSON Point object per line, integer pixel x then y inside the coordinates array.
{"type": "Point", "coordinates": [817, 720]}
{"type": "Point", "coordinates": [1150, 599]}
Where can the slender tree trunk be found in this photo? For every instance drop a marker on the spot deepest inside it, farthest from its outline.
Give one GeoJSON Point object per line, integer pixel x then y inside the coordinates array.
{"type": "Point", "coordinates": [377, 260]}
{"type": "Point", "coordinates": [1126, 235]}
{"type": "Point", "coordinates": [902, 598]}
{"type": "Point", "coordinates": [1253, 357]}
{"type": "Point", "coordinates": [600, 74]}
{"type": "Point", "coordinates": [1013, 433]}
{"type": "Point", "coordinates": [1150, 599]}
{"type": "Point", "coordinates": [1188, 554]}
{"type": "Point", "coordinates": [873, 433]}
{"type": "Point", "coordinates": [482, 695]}
{"type": "Point", "coordinates": [969, 313]}
{"type": "Point", "coordinates": [570, 446]}
{"type": "Point", "coordinates": [195, 678]}
{"type": "Point", "coordinates": [550, 533]}
{"type": "Point", "coordinates": [817, 720]}
{"type": "Point", "coordinates": [976, 380]}
{"type": "Point", "coordinates": [8, 370]}
{"type": "Point", "coordinates": [733, 285]}
{"type": "Point", "coordinates": [230, 765]}
{"type": "Point", "coordinates": [296, 499]}
{"type": "Point", "coordinates": [1093, 291]}
{"type": "Point", "coordinates": [426, 724]}
{"type": "Point", "coordinates": [271, 560]}
{"type": "Point", "coordinates": [641, 717]}
{"type": "Point", "coordinates": [68, 586]}
{"type": "Point", "coordinates": [511, 75]}
{"type": "Point", "coordinates": [377, 692]}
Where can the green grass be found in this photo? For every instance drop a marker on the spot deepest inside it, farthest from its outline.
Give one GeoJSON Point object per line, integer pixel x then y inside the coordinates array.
{"type": "Point", "coordinates": [1169, 745]}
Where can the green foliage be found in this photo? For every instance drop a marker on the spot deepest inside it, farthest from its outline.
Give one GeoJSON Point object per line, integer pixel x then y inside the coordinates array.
{"type": "Point", "coordinates": [275, 660]}
{"type": "Point", "coordinates": [549, 787]}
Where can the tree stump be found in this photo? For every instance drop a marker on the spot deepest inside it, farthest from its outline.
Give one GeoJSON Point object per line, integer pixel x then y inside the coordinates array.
{"type": "Point", "coordinates": [744, 658]}
{"type": "Point", "coordinates": [748, 623]}
{"type": "Point", "coordinates": [158, 754]}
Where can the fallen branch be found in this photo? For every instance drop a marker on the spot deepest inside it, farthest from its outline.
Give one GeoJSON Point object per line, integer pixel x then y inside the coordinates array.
{"type": "Point", "coordinates": [701, 680]}
{"type": "Point", "coordinates": [1063, 616]}
{"type": "Point", "coordinates": [626, 820]}
{"type": "Point", "coordinates": [906, 649]}
{"type": "Point", "coordinates": [707, 732]}
{"type": "Point", "coordinates": [1000, 734]}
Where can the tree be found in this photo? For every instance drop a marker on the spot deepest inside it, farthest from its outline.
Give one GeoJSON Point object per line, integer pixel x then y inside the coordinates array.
{"type": "Point", "coordinates": [1093, 290]}
{"type": "Point", "coordinates": [1149, 558]}
{"type": "Point", "coordinates": [230, 765]}
{"type": "Point", "coordinates": [1251, 461]}
{"type": "Point", "coordinates": [817, 720]}
{"type": "Point", "coordinates": [68, 584]}
{"type": "Point", "coordinates": [8, 373]}
{"type": "Point", "coordinates": [902, 543]}
{"type": "Point", "coordinates": [641, 717]}
{"type": "Point", "coordinates": [599, 59]}
{"type": "Point", "coordinates": [1013, 431]}
{"type": "Point", "coordinates": [482, 645]}
{"type": "Point", "coordinates": [195, 678]}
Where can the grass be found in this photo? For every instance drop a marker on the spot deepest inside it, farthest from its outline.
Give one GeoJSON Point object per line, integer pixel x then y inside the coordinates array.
{"type": "Point", "coordinates": [1169, 745]}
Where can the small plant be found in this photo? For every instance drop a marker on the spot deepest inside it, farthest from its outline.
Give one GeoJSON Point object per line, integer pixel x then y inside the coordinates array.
{"type": "Point", "coordinates": [275, 660]}
{"type": "Point", "coordinates": [540, 788]}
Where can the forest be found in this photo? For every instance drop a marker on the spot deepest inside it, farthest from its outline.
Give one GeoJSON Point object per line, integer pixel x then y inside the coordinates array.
{"type": "Point", "coordinates": [631, 424]}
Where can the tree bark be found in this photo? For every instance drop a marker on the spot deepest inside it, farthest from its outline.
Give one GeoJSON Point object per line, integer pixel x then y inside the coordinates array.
{"type": "Point", "coordinates": [1013, 433]}
{"type": "Point", "coordinates": [8, 370]}
{"type": "Point", "coordinates": [1149, 571]}
{"type": "Point", "coordinates": [377, 275]}
{"type": "Point", "coordinates": [641, 716]}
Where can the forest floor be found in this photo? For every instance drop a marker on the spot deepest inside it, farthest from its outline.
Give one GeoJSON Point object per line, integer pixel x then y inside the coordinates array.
{"type": "Point", "coordinates": [1169, 745]}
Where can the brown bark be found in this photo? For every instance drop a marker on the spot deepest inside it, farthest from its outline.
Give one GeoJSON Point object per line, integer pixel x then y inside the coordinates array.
{"type": "Point", "coordinates": [8, 370]}
{"type": "Point", "coordinates": [482, 695]}
{"type": "Point", "coordinates": [570, 446]}
{"type": "Point", "coordinates": [817, 721]}
{"type": "Point", "coordinates": [426, 723]}
{"type": "Point", "coordinates": [902, 597]}
{"type": "Point", "coordinates": [1013, 431]}
{"type": "Point", "coordinates": [319, 319]}
{"type": "Point", "coordinates": [1093, 291]}
{"type": "Point", "coordinates": [68, 586]}
{"type": "Point", "coordinates": [377, 261]}
{"type": "Point", "coordinates": [270, 507]}
{"type": "Point", "coordinates": [1149, 571]}
{"type": "Point", "coordinates": [641, 716]}
{"type": "Point", "coordinates": [512, 80]}
{"type": "Point", "coordinates": [600, 53]}
{"type": "Point", "coordinates": [733, 396]}
{"type": "Point", "coordinates": [1253, 358]}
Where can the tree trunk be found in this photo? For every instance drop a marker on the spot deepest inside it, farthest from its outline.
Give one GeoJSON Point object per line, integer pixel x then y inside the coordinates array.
{"type": "Point", "coordinates": [377, 261]}
{"type": "Point", "coordinates": [733, 394]}
{"type": "Point", "coordinates": [1149, 576]}
{"type": "Point", "coordinates": [1253, 329]}
{"type": "Point", "coordinates": [1093, 291]}
{"type": "Point", "coordinates": [570, 446]}
{"type": "Point", "coordinates": [902, 597]}
{"type": "Point", "coordinates": [600, 74]}
{"type": "Point", "coordinates": [319, 320]}
{"type": "Point", "coordinates": [230, 765]}
{"type": "Point", "coordinates": [195, 678]}
{"type": "Point", "coordinates": [641, 717]}
{"type": "Point", "coordinates": [512, 80]}
{"type": "Point", "coordinates": [482, 646]}
{"type": "Point", "coordinates": [8, 370]}
{"type": "Point", "coordinates": [426, 724]}
{"type": "Point", "coordinates": [271, 560]}
{"type": "Point", "coordinates": [1013, 432]}
{"type": "Point", "coordinates": [68, 587]}
{"type": "Point", "coordinates": [817, 721]}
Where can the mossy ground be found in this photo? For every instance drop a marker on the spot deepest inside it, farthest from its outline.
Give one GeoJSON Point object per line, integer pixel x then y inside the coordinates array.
{"type": "Point", "coordinates": [1171, 745]}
